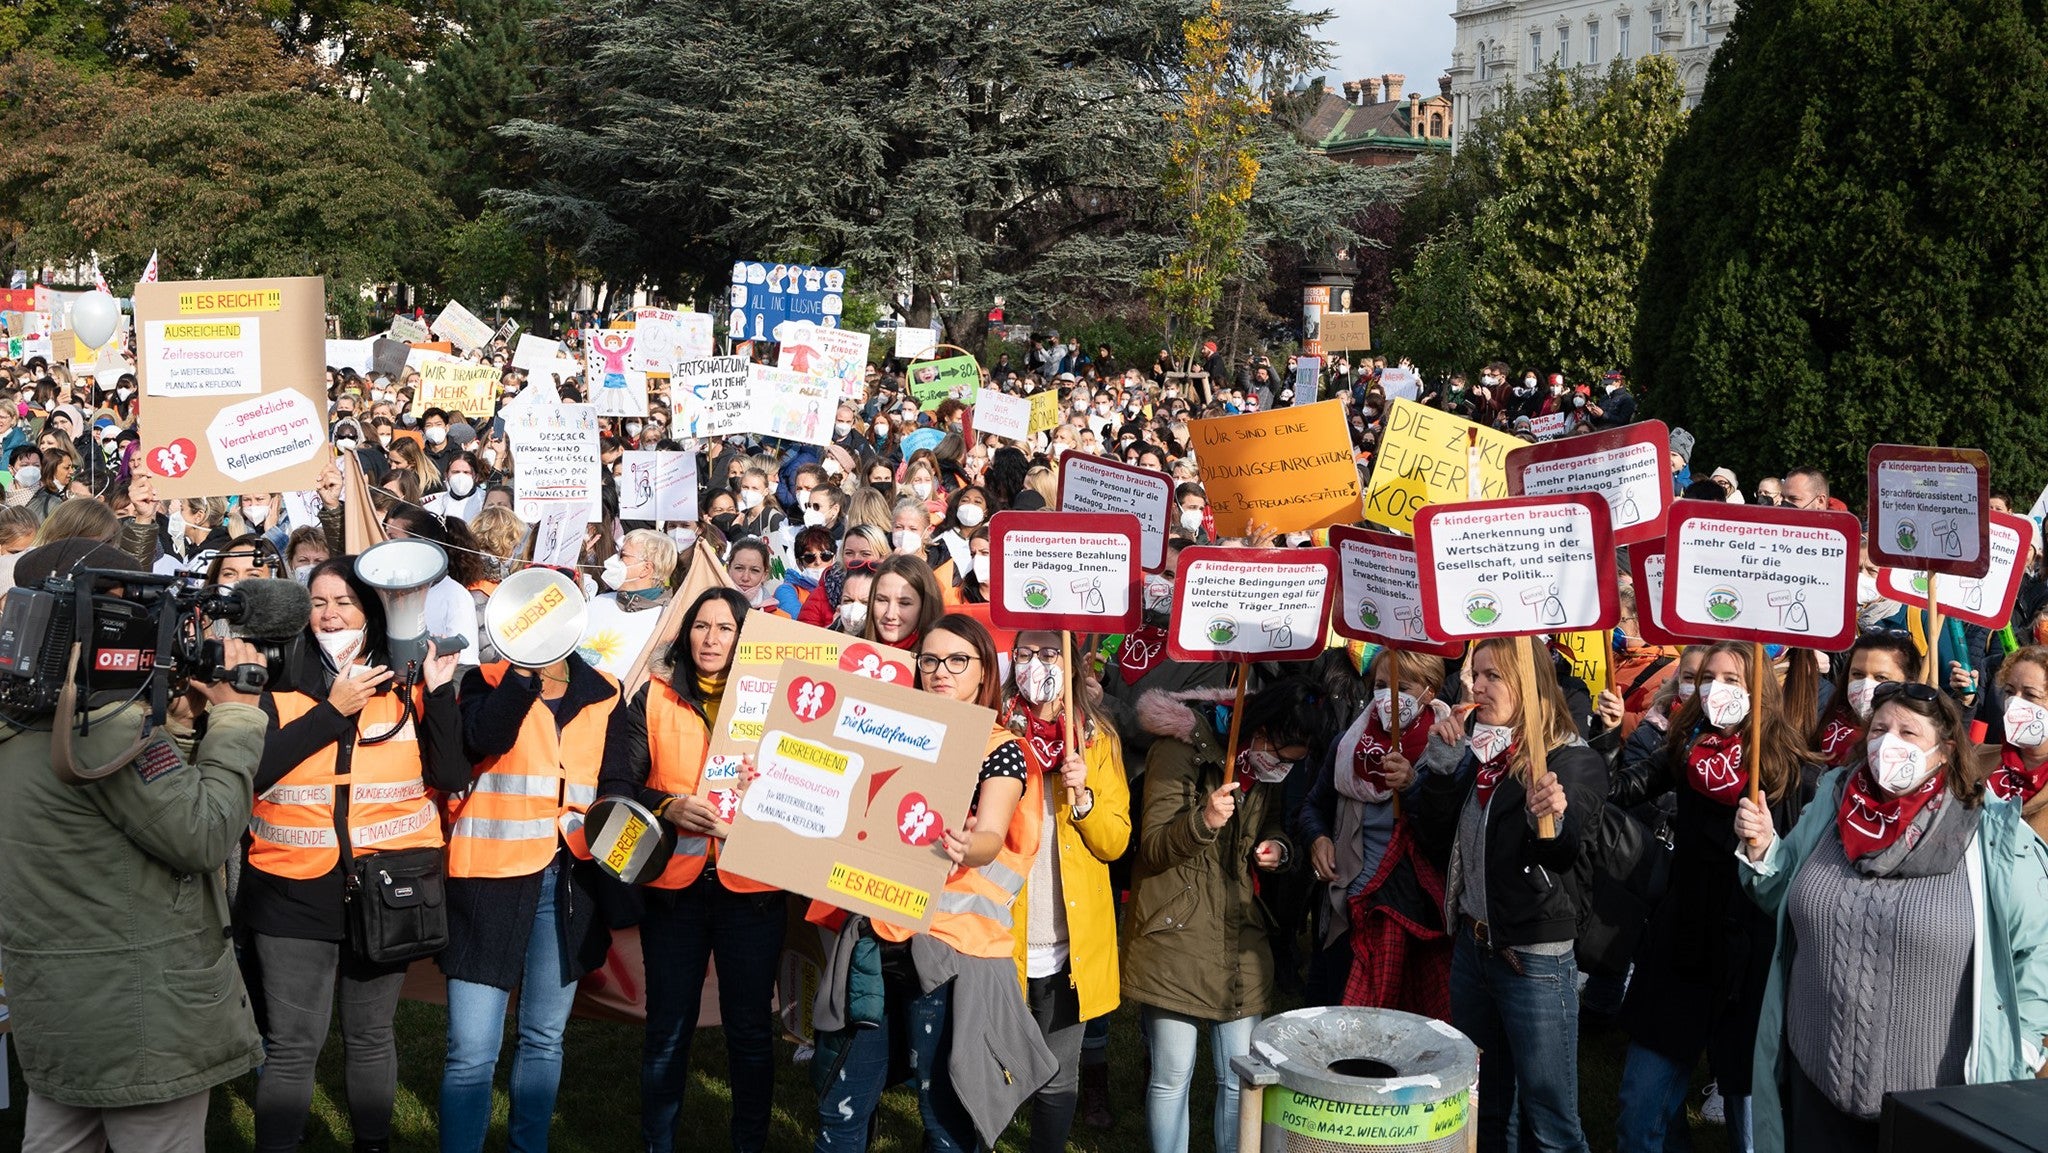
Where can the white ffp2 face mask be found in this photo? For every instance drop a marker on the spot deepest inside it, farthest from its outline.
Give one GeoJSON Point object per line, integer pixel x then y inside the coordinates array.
{"type": "Point", "coordinates": [1898, 764]}
{"type": "Point", "coordinates": [1861, 691]}
{"type": "Point", "coordinates": [1490, 741]}
{"type": "Point", "coordinates": [1725, 705]}
{"type": "Point", "coordinates": [1382, 704]}
{"type": "Point", "coordinates": [2026, 723]}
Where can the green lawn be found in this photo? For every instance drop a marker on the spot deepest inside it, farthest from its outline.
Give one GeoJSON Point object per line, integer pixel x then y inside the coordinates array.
{"type": "Point", "coordinates": [599, 1107]}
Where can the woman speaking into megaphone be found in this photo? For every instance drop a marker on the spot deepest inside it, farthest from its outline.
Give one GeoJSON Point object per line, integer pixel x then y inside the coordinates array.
{"type": "Point", "coordinates": [351, 752]}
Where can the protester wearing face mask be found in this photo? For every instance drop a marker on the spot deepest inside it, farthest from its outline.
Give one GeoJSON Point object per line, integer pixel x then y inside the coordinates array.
{"type": "Point", "coordinates": [749, 565]}
{"type": "Point", "coordinates": [1921, 955]}
{"type": "Point", "coordinates": [1381, 944]}
{"type": "Point", "coordinates": [1209, 821]}
{"type": "Point", "coordinates": [971, 583]}
{"type": "Point", "coordinates": [1640, 668]}
{"type": "Point", "coordinates": [813, 553]}
{"type": "Point", "coordinates": [1191, 517]}
{"type": "Point", "coordinates": [1513, 898]}
{"type": "Point", "coordinates": [1701, 967]}
{"type": "Point", "coordinates": [460, 495]}
{"type": "Point", "coordinates": [1876, 658]}
{"type": "Point", "coordinates": [966, 510]}
{"type": "Point", "coordinates": [2023, 756]}
{"type": "Point", "coordinates": [440, 448]}
{"type": "Point", "coordinates": [638, 574]}
{"type": "Point", "coordinates": [303, 552]}
{"type": "Point", "coordinates": [1065, 917]}
{"type": "Point", "coordinates": [910, 533]}
{"type": "Point", "coordinates": [863, 550]}
{"type": "Point", "coordinates": [260, 514]}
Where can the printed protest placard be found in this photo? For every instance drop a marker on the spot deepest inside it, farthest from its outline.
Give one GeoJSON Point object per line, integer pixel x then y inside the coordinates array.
{"type": "Point", "coordinates": [709, 396]}
{"type": "Point", "coordinates": [792, 405]}
{"type": "Point", "coordinates": [1064, 570]}
{"type": "Point", "coordinates": [1045, 411]}
{"type": "Point", "coordinates": [1755, 573]}
{"type": "Point", "coordinates": [658, 486]}
{"type": "Point", "coordinates": [1398, 382]}
{"type": "Point", "coordinates": [857, 783]}
{"type": "Point", "coordinates": [1985, 600]}
{"type": "Point", "coordinates": [1290, 470]}
{"type": "Point", "coordinates": [1421, 461]}
{"type": "Point", "coordinates": [1251, 604]}
{"type": "Point", "coordinates": [536, 354]}
{"type": "Point", "coordinates": [1099, 484]}
{"type": "Point", "coordinates": [617, 386]}
{"type": "Point", "coordinates": [231, 374]}
{"type": "Point", "coordinates": [1623, 466]}
{"type": "Point", "coordinates": [913, 341]}
{"type": "Point", "coordinates": [456, 386]}
{"type": "Point", "coordinates": [836, 353]}
{"type": "Point", "coordinates": [1000, 414]}
{"type": "Point", "coordinates": [462, 326]}
{"type": "Point", "coordinates": [1646, 566]}
{"type": "Point", "coordinates": [558, 463]}
{"type": "Point", "coordinates": [1347, 331]}
{"type": "Point", "coordinates": [1381, 593]}
{"type": "Point", "coordinates": [1503, 568]}
{"type": "Point", "coordinates": [1929, 508]}
{"type": "Point", "coordinates": [933, 381]}
{"type": "Point", "coordinates": [613, 638]}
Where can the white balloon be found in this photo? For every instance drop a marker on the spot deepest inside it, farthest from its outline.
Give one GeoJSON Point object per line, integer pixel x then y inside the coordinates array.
{"type": "Point", "coordinates": [94, 317]}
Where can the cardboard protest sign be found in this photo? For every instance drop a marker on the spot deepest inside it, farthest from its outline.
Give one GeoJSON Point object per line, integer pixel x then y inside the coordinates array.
{"type": "Point", "coordinates": [1099, 484]}
{"type": "Point", "coordinates": [535, 354]}
{"type": "Point", "coordinates": [858, 782]}
{"type": "Point", "coordinates": [388, 356]}
{"type": "Point", "coordinates": [1381, 592]}
{"type": "Point", "coordinates": [913, 341]}
{"type": "Point", "coordinates": [709, 396]}
{"type": "Point", "coordinates": [1646, 567]}
{"type": "Point", "coordinates": [408, 330]}
{"type": "Point", "coordinates": [836, 353]}
{"type": "Point", "coordinates": [1347, 331]}
{"type": "Point", "coordinates": [654, 340]}
{"type": "Point", "coordinates": [1045, 411]}
{"type": "Point", "coordinates": [1251, 604]}
{"type": "Point", "coordinates": [1064, 570]}
{"type": "Point", "coordinates": [360, 355]}
{"type": "Point", "coordinates": [765, 642]}
{"type": "Point", "coordinates": [1985, 600]}
{"type": "Point", "coordinates": [1000, 414]}
{"type": "Point", "coordinates": [1422, 461]}
{"type": "Point", "coordinates": [1398, 382]}
{"type": "Point", "coordinates": [617, 387]}
{"type": "Point", "coordinates": [1308, 377]}
{"type": "Point", "coordinates": [1755, 573]}
{"type": "Point", "coordinates": [462, 326]}
{"type": "Point", "coordinates": [660, 486]}
{"type": "Point", "coordinates": [1624, 466]}
{"type": "Point", "coordinates": [457, 386]}
{"type": "Point", "coordinates": [1549, 426]}
{"type": "Point", "coordinates": [791, 405]}
{"type": "Point", "coordinates": [932, 381]}
{"type": "Point", "coordinates": [558, 467]}
{"type": "Point", "coordinates": [1291, 469]}
{"type": "Point", "coordinates": [231, 377]}
{"type": "Point", "coordinates": [1516, 567]}
{"type": "Point", "coordinates": [1929, 508]}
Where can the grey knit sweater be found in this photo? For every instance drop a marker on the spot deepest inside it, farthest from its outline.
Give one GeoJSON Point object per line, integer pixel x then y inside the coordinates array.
{"type": "Point", "coordinates": [1880, 992]}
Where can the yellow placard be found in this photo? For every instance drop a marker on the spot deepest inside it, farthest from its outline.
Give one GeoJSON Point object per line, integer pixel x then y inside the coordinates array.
{"type": "Point", "coordinates": [1290, 469]}
{"type": "Point", "coordinates": [882, 891]}
{"type": "Point", "coordinates": [1045, 411]}
{"type": "Point", "coordinates": [753, 652]}
{"type": "Point", "coordinates": [1421, 461]}
{"type": "Point", "coordinates": [1589, 660]}
{"type": "Point", "coordinates": [1368, 1126]}
{"type": "Point", "coordinates": [243, 300]}
{"type": "Point", "coordinates": [457, 386]}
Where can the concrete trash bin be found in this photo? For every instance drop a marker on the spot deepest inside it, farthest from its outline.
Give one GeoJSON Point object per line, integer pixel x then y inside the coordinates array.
{"type": "Point", "coordinates": [1345, 1078]}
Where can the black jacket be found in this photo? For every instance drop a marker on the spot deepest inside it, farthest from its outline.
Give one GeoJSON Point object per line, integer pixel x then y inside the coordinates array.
{"type": "Point", "coordinates": [1616, 409]}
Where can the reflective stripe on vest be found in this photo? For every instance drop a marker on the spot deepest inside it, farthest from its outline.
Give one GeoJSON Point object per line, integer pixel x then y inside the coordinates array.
{"type": "Point", "coordinates": [520, 805]}
{"type": "Point", "coordinates": [972, 913]}
{"type": "Point", "coordinates": [677, 745]}
{"type": "Point", "coordinates": [291, 826]}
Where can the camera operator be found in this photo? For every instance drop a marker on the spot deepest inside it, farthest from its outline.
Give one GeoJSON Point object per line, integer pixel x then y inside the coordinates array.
{"type": "Point", "coordinates": [127, 1003]}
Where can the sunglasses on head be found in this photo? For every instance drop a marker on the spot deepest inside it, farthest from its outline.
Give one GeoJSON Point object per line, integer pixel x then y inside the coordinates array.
{"type": "Point", "coordinates": [1911, 690]}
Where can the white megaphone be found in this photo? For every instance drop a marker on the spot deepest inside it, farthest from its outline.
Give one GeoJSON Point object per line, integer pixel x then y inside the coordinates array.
{"type": "Point", "coordinates": [402, 571]}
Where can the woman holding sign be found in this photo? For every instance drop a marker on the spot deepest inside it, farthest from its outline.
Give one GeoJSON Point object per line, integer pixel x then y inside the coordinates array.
{"type": "Point", "coordinates": [1912, 940]}
{"type": "Point", "coordinates": [656, 752]}
{"type": "Point", "coordinates": [971, 939]}
{"type": "Point", "coordinates": [1513, 897]}
{"type": "Point", "coordinates": [1700, 970]}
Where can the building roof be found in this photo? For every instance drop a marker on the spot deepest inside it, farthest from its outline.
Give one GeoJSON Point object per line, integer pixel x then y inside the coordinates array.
{"type": "Point", "coordinates": [1338, 126]}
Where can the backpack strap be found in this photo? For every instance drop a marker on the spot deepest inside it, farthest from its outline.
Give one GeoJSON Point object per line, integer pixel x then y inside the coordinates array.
{"type": "Point", "coordinates": [1643, 678]}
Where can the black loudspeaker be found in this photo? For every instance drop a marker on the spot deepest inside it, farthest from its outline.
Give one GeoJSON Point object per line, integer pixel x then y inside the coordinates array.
{"type": "Point", "coordinates": [2003, 1118]}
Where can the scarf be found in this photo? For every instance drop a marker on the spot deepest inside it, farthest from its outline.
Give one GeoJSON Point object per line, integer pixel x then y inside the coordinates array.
{"type": "Point", "coordinates": [1370, 743]}
{"type": "Point", "coordinates": [1869, 821]}
{"type": "Point", "coordinates": [1839, 737]}
{"type": "Point", "coordinates": [1142, 650]}
{"type": "Point", "coordinates": [710, 694]}
{"type": "Point", "coordinates": [1489, 774]}
{"type": "Point", "coordinates": [1045, 741]}
{"type": "Point", "coordinates": [1714, 768]}
{"type": "Point", "coordinates": [2012, 780]}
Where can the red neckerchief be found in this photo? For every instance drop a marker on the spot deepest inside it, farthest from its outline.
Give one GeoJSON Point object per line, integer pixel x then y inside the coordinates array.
{"type": "Point", "coordinates": [2012, 780]}
{"type": "Point", "coordinates": [1045, 742]}
{"type": "Point", "coordinates": [1714, 769]}
{"type": "Point", "coordinates": [1839, 737]}
{"type": "Point", "coordinates": [1869, 821]}
{"type": "Point", "coordinates": [1373, 746]}
{"type": "Point", "coordinates": [1489, 775]}
{"type": "Point", "coordinates": [1142, 650]}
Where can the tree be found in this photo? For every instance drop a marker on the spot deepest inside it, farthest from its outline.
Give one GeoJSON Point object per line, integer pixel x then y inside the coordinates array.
{"type": "Point", "coordinates": [1850, 246]}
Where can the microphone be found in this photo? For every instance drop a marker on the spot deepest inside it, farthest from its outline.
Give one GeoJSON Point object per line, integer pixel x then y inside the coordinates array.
{"type": "Point", "coordinates": [262, 609]}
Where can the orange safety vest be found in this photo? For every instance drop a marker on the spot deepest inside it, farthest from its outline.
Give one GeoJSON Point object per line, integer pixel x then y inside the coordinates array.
{"type": "Point", "coordinates": [507, 824]}
{"type": "Point", "coordinates": [677, 745]}
{"type": "Point", "coordinates": [973, 910]}
{"type": "Point", "coordinates": [291, 826]}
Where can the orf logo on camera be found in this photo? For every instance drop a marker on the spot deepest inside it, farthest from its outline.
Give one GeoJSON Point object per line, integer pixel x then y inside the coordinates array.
{"type": "Point", "coordinates": [123, 660]}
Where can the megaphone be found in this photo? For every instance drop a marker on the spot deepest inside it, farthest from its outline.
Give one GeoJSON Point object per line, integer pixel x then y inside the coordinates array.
{"type": "Point", "coordinates": [402, 571]}
{"type": "Point", "coordinates": [535, 617]}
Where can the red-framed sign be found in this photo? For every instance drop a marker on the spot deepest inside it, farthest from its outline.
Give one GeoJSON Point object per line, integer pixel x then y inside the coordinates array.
{"type": "Point", "coordinates": [1646, 565]}
{"type": "Point", "coordinates": [1379, 595]}
{"type": "Point", "coordinates": [1985, 600]}
{"type": "Point", "coordinates": [1251, 604]}
{"type": "Point", "coordinates": [1098, 484]}
{"type": "Point", "coordinates": [1930, 508]}
{"type": "Point", "coordinates": [1064, 570]}
{"type": "Point", "coordinates": [1516, 567]}
{"type": "Point", "coordinates": [1744, 572]}
{"type": "Point", "coordinates": [1627, 466]}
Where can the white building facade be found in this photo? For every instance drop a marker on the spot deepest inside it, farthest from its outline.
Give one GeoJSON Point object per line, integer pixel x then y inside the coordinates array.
{"type": "Point", "coordinates": [1507, 42]}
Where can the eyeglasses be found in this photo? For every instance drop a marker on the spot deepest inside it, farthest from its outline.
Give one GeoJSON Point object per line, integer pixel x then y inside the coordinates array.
{"type": "Point", "coordinates": [1911, 690]}
{"type": "Point", "coordinates": [1025, 653]}
{"type": "Point", "coordinates": [955, 664]}
{"type": "Point", "coordinates": [814, 557]}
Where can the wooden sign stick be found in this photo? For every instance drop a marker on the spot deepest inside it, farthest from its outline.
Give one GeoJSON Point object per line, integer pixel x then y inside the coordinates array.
{"type": "Point", "coordinates": [1067, 709]}
{"type": "Point", "coordinates": [1753, 754]}
{"type": "Point", "coordinates": [1934, 669]}
{"type": "Point", "coordinates": [1536, 730]}
{"type": "Point", "coordinates": [1236, 720]}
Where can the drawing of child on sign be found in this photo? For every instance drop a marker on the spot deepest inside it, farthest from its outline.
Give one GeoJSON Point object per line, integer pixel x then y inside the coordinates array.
{"type": "Point", "coordinates": [612, 346]}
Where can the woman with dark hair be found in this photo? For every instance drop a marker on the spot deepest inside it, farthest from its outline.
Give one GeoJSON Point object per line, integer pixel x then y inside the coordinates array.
{"type": "Point", "coordinates": [349, 758]}
{"type": "Point", "coordinates": [906, 600]}
{"type": "Point", "coordinates": [452, 609]}
{"type": "Point", "coordinates": [250, 555]}
{"type": "Point", "coordinates": [1007, 467]}
{"type": "Point", "coordinates": [1700, 969]}
{"type": "Point", "coordinates": [814, 552]}
{"type": "Point", "coordinates": [749, 566]}
{"type": "Point", "coordinates": [962, 965]}
{"type": "Point", "coordinates": [1875, 659]}
{"type": "Point", "coordinates": [656, 751]}
{"type": "Point", "coordinates": [1912, 944]}
{"type": "Point", "coordinates": [1198, 956]}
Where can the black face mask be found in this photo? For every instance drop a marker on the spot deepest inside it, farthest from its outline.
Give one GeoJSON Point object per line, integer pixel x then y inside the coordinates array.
{"type": "Point", "coordinates": [726, 522]}
{"type": "Point", "coordinates": [887, 489]}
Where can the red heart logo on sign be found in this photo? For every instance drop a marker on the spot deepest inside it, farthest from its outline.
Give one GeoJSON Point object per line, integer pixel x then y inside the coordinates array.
{"type": "Point", "coordinates": [174, 459]}
{"type": "Point", "coordinates": [810, 699]}
{"type": "Point", "coordinates": [863, 659]}
{"type": "Point", "coordinates": [916, 822]}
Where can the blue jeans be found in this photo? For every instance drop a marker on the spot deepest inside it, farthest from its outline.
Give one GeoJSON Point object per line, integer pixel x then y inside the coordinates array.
{"type": "Point", "coordinates": [476, 1030]}
{"type": "Point", "coordinates": [1527, 1028]}
{"type": "Point", "coordinates": [848, 1104]}
{"type": "Point", "coordinates": [1652, 1119]}
{"type": "Point", "coordinates": [678, 939]}
{"type": "Point", "coordinates": [1172, 1038]}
